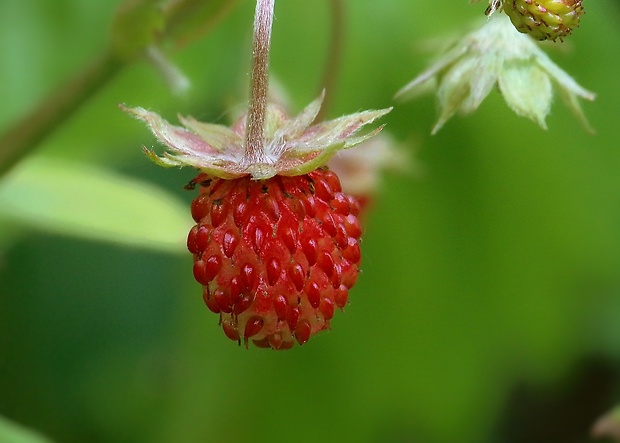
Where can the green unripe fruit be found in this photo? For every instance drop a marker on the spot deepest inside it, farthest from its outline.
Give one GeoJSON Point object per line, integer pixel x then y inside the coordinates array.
{"type": "Point", "coordinates": [544, 19]}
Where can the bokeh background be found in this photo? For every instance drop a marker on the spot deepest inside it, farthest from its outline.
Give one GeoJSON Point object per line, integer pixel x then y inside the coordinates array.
{"type": "Point", "coordinates": [489, 305]}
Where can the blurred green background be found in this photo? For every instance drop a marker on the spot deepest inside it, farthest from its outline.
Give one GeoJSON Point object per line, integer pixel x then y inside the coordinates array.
{"type": "Point", "coordinates": [489, 305]}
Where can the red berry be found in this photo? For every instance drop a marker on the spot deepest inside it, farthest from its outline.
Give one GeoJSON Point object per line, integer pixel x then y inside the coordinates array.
{"type": "Point", "coordinates": [275, 256]}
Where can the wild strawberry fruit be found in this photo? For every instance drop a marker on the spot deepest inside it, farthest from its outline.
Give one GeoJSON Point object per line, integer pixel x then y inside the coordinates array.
{"type": "Point", "coordinates": [276, 256]}
{"type": "Point", "coordinates": [544, 19]}
{"type": "Point", "coordinates": [276, 241]}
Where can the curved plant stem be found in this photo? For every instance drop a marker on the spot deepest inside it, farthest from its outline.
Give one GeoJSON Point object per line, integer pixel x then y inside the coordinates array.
{"type": "Point", "coordinates": [334, 56]}
{"type": "Point", "coordinates": [254, 142]}
{"type": "Point", "coordinates": [25, 135]}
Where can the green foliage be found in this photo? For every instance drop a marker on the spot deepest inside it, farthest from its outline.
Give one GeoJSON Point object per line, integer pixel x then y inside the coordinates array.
{"type": "Point", "coordinates": [498, 264]}
{"type": "Point", "coordinates": [76, 199]}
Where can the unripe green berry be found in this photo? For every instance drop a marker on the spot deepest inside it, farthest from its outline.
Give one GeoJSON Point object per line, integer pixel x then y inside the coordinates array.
{"type": "Point", "coordinates": [544, 19]}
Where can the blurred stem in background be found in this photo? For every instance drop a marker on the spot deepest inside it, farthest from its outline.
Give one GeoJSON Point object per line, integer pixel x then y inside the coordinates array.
{"type": "Point", "coordinates": [334, 56]}
{"type": "Point", "coordinates": [138, 27]}
{"type": "Point", "coordinates": [25, 135]}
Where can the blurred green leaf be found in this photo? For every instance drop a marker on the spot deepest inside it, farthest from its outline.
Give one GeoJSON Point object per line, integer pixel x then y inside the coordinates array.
{"type": "Point", "coordinates": [86, 201]}
{"type": "Point", "coordinates": [13, 433]}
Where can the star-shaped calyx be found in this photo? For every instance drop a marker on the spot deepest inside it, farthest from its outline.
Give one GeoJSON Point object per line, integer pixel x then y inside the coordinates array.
{"type": "Point", "coordinates": [292, 146]}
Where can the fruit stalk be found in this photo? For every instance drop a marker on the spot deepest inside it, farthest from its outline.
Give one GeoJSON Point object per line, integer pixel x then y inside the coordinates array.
{"type": "Point", "coordinates": [255, 139]}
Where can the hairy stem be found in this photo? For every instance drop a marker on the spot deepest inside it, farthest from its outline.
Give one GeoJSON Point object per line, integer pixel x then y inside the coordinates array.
{"type": "Point", "coordinates": [26, 134]}
{"type": "Point", "coordinates": [334, 56]}
{"type": "Point", "coordinates": [255, 127]}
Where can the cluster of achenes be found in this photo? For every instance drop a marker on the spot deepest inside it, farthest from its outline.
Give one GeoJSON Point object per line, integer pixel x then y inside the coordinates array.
{"type": "Point", "coordinates": [275, 257]}
{"type": "Point", "coordinates": [543, 19]}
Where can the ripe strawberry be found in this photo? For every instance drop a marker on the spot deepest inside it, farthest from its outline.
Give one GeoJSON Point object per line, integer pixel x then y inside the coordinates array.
{"type": "Point", "coordinates": [276, 256]}
{"type": "Point", "coordinates": [544, 19]}
{"type": "Point", "coordinates": [276, 242]}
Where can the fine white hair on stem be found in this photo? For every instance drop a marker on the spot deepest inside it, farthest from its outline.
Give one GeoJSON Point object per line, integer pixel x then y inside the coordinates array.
{"type": "Point", "coordinates": [254, 142]}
